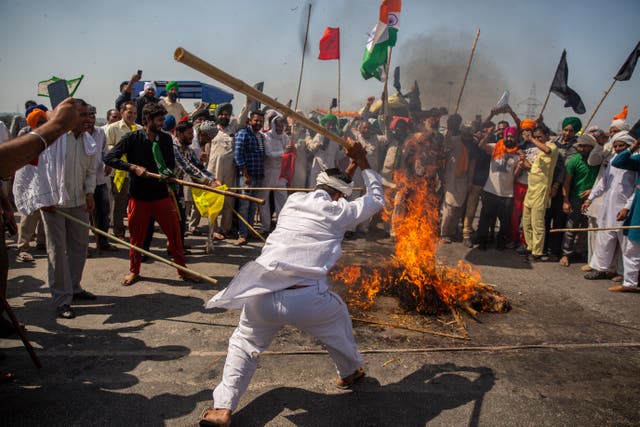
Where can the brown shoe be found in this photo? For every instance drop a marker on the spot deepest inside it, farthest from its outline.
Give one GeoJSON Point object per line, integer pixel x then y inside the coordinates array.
{"type": "Point", "coordinates": [620, 288]}
{"type": "Point", "coordinates": [348, 382]}
{"type": "Point", "coordinates": [215, 418]}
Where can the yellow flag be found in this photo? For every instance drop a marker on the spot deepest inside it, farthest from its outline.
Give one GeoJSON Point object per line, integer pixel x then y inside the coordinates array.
{"type": "Point", "coordinates": [119, 175]}
{"type": "Point", "coordinates": [209, 204]}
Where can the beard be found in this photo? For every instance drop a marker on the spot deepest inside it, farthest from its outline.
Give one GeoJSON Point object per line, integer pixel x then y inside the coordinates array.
{"type": "Point", "coordinates": [224, 121]}
{"type": "Point", "coordinates": [172, 96]}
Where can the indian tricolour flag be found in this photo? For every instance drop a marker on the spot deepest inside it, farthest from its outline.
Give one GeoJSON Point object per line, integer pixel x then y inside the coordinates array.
{"type": "Point", "coordinates": [381, 38]}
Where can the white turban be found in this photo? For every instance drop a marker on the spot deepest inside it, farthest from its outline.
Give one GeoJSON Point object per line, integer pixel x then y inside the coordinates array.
{"type": "Point", "coordinates": [151, 85]}
{"type": "Point", "coordinates": [335, 183]}
{"type": "Point", "coordinates": [586, 139]}
{"type": "Point", "coordinates": [619, 124]}
{"type": "Point", "coordinates": [622, 136]}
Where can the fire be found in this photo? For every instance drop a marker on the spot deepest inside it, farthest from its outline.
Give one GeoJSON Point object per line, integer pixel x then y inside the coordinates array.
{"type": "Point", "coordinates": [413, 209]}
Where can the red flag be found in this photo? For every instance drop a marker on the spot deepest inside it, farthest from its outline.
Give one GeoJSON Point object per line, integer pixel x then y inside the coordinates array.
{"type": "Point", "coordinates": [330, 44]}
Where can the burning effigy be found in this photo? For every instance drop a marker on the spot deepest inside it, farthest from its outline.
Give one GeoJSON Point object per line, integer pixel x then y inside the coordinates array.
{"type": "Point", "coordinates": [413, 274]}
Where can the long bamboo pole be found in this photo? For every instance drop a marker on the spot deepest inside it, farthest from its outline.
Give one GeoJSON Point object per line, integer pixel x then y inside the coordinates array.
{"type": "Point", "coordinates": [586, 126]}
{"type": "Point", "coordinates": [245, 222]}
{"type": "Point", "coordinates": [304, 50]}
{"type": "Point", "coordinates": [339, 88]}
{"type": "Point", "coordinates": [291, 189]}
{"type": "Point", "coordinates": [21, 333]}
{"type": "Point", "coordinates": [466, 74]}
{"type": "Point", "coordinates": [189, 59]}
{"type": "Point", "coordinates": [385, 92]}
{"type": "Point", "coordinates": [206, 188]}
{"type": "Point", "coordinates": [575, 230]}
{"type": "Point", "coordinates": [135, 248]}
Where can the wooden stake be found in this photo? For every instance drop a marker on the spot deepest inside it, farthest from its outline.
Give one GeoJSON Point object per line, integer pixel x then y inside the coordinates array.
{"type": "Point", "coordinates": [205, 187]}
{"type": "Point", "coordinates": [304, 50]}
{"type": "Point", "coordinates": [135, 248]}
{"type": "Point", "coordinates": [339, 88]}
{"type": "Point", "coordinates": [599, 104]}
{"type": "Point", "coordinates": [291, 189]}
{"type": "Point", "coordinates": [544, 105]}
{"type": "Point", "coordinates": [466, 74]}
{"type": "Point", "coordinates": [187, 58]}
{"type": "Point", "coordinates": [576, 230]}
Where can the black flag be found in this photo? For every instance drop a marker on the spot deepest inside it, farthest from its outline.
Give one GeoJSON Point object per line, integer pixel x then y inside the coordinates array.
{"type": "Point", "coordinates": [396, 79]}
{"type": "Point", "coordinates": [560, 88]}
{"type": "Point", "coordinates": [629, 65]}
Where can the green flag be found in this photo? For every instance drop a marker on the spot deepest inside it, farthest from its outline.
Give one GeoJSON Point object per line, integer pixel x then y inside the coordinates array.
{"type": "Point", "coordinates": [381, 38]}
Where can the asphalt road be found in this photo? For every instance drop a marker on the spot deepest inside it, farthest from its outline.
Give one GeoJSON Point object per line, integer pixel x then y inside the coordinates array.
{"type": "Point", "coordinates": [149, 354]}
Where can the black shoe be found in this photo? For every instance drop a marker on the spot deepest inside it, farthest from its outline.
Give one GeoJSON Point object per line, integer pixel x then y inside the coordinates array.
{"type": "Point", "coordinates": [596, 275]}
{"type": "Point", "coordinates": [522, 250]}
{"type": "Point", "coordinates": [66, 312]}
{"type": "Point", "coordinates": [85, 295]}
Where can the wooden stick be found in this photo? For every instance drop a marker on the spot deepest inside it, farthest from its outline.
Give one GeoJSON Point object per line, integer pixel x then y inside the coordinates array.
{"type": "Point", "coordinates": [187, 58]}
{"type": "Point", "coordinates": [599, 104]}
{"type": "Point", "coordinates": [339, 88]}
{"type": "Point", "coordinates": [574, 230]}
{"type": "Point", "coordinates": [205, 187]}
{"type": "Point", "coordinates": [408, 328]}
{"type": "Point", "coordinates": [293, 189]}
{"type": "Point", "coordinates": [466, 74]}
{"type": "Point", "coordinates": [21, 333]}
{"type": "Point", "coordinates": [544, 105]}
{"type": "Point", "coordinates": [304, 50]}
{"type": "Point", "coordinates": [385, 92]}
{"type": "Point", "coordinates": [135, 248]}
{"type": "Point", "coordinates": [249, 226]}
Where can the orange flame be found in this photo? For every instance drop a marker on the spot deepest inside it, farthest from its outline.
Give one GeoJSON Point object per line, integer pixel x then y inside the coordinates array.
{"type": "Point", "coordinates": [414, 213]}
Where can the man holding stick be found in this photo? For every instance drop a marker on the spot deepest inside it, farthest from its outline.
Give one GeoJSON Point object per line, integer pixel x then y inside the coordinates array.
{"type": "Point", "coordinates": [149, 149]}
{"type": "Point", "coordinates": [287, 284]}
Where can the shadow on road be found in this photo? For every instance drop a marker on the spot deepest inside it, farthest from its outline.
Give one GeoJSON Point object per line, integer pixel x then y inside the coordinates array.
{"type": "Point", "coordinates": [413, 401]}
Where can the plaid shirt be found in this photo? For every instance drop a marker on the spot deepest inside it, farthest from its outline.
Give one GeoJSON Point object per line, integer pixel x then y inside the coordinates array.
{"type": "Point", "coordinates": [188, 163]}
{"type": "Point", "coordinates": [249, 153]}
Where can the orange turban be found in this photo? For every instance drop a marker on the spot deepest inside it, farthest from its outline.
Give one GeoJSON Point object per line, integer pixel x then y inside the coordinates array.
{"type": "Point", "coordinates": [528, 124]}
{"type": "Point", "coordinates": [622, 115]}
{"type": "Point", "coordinates": [34, 117]}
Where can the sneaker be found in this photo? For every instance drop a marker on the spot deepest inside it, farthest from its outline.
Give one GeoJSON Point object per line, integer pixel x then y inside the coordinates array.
{"type": "Point", "coordinates": [538, 258]}
{"type": "Point", "coordinates": [596, 275]}
{"type": "Point", "coordinates": [65, 312]}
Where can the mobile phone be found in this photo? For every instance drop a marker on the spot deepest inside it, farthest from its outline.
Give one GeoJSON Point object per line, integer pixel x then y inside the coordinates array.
{"type": "Point", "coordinates": [140, 73]}
{"type": "Point", "coordinates": [58, 92]}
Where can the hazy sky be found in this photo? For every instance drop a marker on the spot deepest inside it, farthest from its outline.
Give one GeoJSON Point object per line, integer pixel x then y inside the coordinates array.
{"type": "Point", "coordinates": [520, 45]}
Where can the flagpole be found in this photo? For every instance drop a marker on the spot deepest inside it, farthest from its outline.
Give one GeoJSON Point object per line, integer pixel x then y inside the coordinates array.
{"type": "Point", "coordinates": [466, 74]}
{"type": "Point", "coordinates": [385, 92]}
{"type": "Point", "coordinates": [544, 105]}
{"type": "Point", "coordinates": [304, 49]}
{"type": "Point", "coordinates": [339, 88]}
{"type": "Point", "coordinates": [599, 104]}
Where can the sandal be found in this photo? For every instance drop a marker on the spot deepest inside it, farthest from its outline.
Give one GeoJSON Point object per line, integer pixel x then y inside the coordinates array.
{"type": "Point", "coordinates": [24, 257]}
{"type": "Point", "coordinates": [218, 236]}
{"type": "Point", "coordinates": [348, 382]}
{"type": "Point", "coordinates": [130, 279]}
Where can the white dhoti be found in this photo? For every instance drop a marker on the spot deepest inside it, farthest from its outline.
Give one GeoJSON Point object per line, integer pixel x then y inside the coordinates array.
{"type": "Point", "coordinates": [631, 262]}
{"type": "Point", "coordinates": [312, 309]}
{"type": "Point", "coordinates": [604, 249]}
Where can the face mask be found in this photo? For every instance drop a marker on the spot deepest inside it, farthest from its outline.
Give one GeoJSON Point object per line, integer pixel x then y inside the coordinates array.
{"type": "Point", "coordinates": [224, 121]}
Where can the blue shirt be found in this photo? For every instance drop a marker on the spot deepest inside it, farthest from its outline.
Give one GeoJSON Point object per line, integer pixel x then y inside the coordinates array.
{"type": "Point", "coordinates": [249, 153]}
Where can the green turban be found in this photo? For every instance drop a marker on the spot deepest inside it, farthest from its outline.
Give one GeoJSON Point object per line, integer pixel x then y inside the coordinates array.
{"type": "Point", "coordinates": [328, 118]}
{"type": "Point", "coordinates": [226, 106]}
{"type": "Point", "coordinates": [171, 85]}
{"type": "Point", "coordinates": [575, 123]}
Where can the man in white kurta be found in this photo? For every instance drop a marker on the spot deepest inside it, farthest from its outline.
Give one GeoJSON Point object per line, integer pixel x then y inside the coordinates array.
{"type": "Point", "coordinates": [287, 283]}
{"type": "Point", "coordinates": [275, 143]}
{"type": "Point", "coordinates": [325, 153]}
{"type": "Point", "coordinates": [617, 188]}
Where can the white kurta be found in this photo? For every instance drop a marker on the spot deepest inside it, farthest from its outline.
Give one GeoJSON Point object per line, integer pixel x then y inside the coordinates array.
{"type": "Point", "coordinates": [326, 154]}
{"type": "Point", "coordinates": [305, 245]}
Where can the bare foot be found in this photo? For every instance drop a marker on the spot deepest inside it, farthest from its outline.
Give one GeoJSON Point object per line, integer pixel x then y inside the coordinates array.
{"type": "Point", "coordinates": [564, 261]}
{"type": "Point", "coordinates": [215, 418]}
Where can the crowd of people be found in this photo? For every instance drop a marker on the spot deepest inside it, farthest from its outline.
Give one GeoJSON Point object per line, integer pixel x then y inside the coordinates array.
{"type": "Point", "coordinates": [501, 185]}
